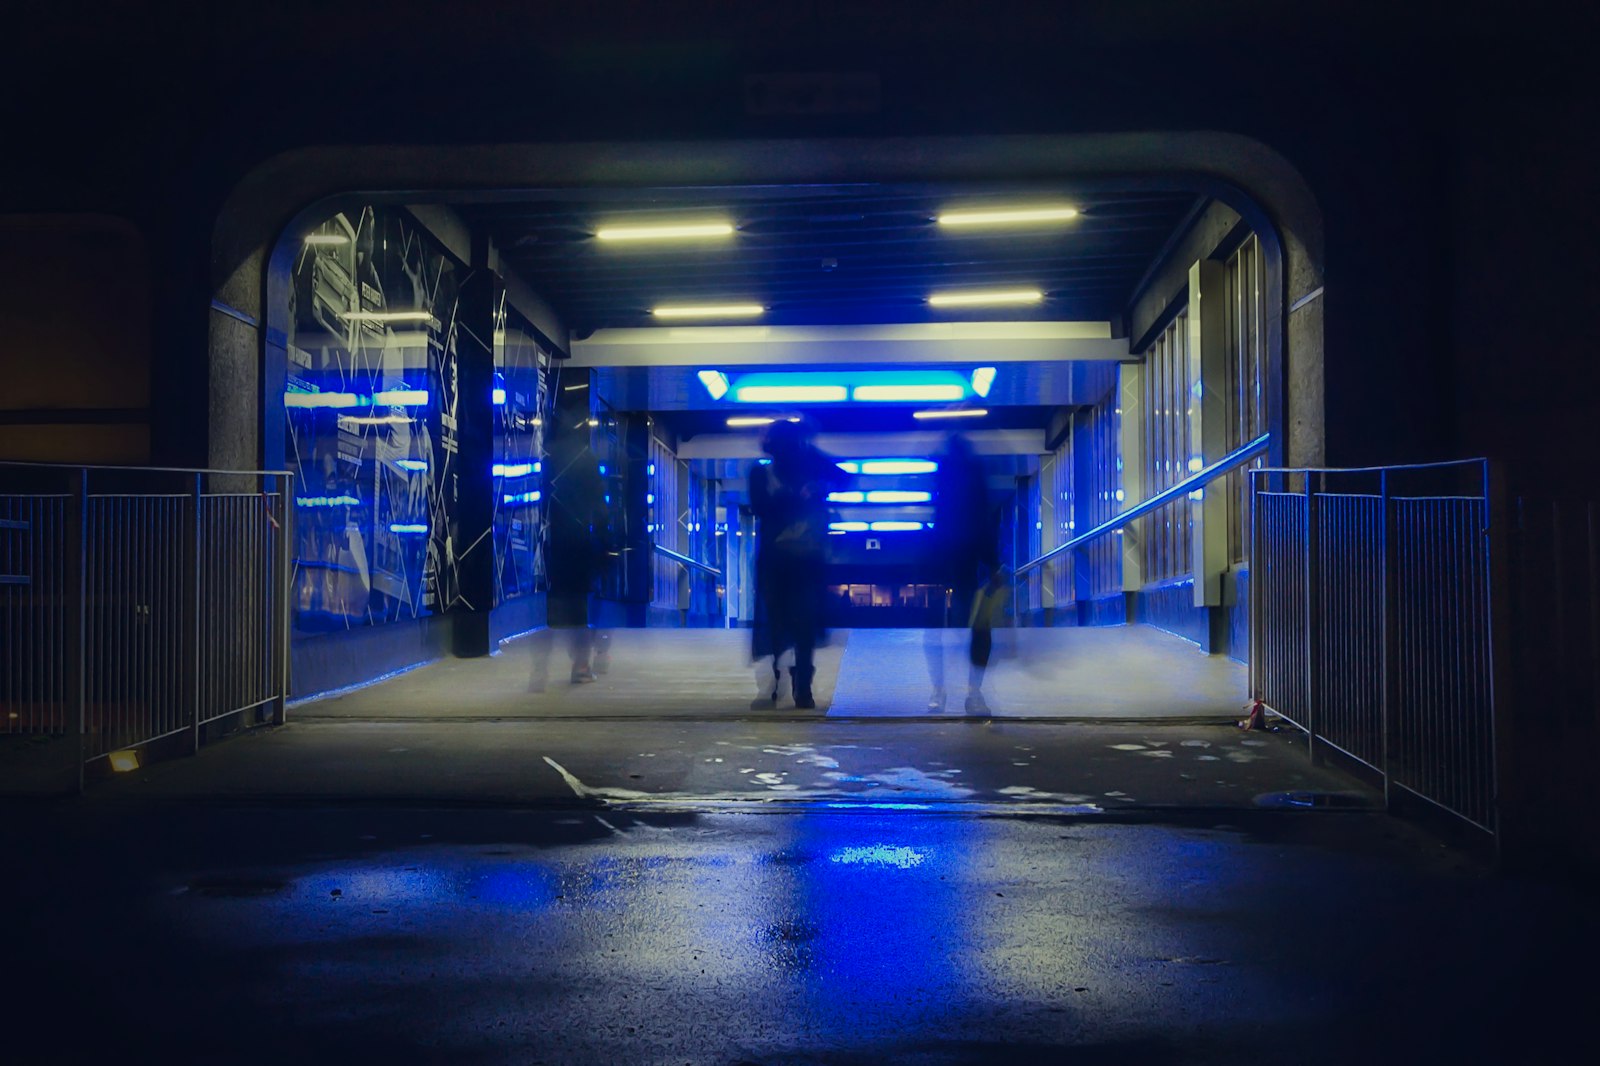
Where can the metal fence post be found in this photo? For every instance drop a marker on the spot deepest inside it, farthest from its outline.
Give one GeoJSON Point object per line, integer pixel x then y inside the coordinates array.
{"type": "Point", "coordinates": [280, 583]}
{"type": "Point", "coordinates": [1256, 577]}
{"type": "Point", "coordinates": [76, 539]}
{"type": "Point", "coordinates": [1389, 694]}
{"type": "Point", "coordinates": [1505, 778]}
{"type": "Point", "coordinates": [1313, 605]}
{"type": "Point", "coordinates": [193, 634]}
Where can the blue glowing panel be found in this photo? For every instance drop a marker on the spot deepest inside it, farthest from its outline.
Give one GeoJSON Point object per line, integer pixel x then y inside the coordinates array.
{"type": "Point", "coordinates": [899, 466]}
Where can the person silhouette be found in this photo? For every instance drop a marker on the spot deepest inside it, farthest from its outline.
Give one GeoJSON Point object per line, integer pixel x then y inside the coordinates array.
{"type": "Point", "coordinates": [965, 544]}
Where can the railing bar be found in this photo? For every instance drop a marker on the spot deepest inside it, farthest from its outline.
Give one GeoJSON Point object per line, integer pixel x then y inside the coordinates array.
{"type": "Point", "coordinates": [66, 467]}
{"type": "Point", "coordinates": [241, 707]}
{"type": "Point", "coordinates": [1364, 469]}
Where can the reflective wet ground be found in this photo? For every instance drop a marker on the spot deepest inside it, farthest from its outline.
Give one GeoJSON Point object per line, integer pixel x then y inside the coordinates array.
{"type": "Point", "coordinates": [275, 932]}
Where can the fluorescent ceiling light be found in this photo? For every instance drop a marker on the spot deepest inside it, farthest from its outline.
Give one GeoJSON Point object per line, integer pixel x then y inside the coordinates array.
{"type": "Point", "coordinates": [709, 311]}
{"type": "Point", "coordinates": [908, 392]}
{"type": "Point", "coordinates": [1006, 216]}
{"type": "Point", "coordinates": [715, 381]}
{"type": "Point", "coordinates": [327, 238]}
{"type": "Point", "coordinates": [895, 527]}
{"type": "Point", "coordinates": [898, 466]}
{"type": "Point", "coordinates": [411, 464]}
{"type": "Point", "coordinates": [846, 497]}
{"type": "Point", "coordinates": [407, 527]}
{"type": "Point", "coordinates": [669, 231]}
{"type": "Point", "coordinates": [848, 527]}
{"type": "Point", "coordinates": [386, 316]}
{"type": "Point", "coordinates": [981, 299]}
{"type": "Point", "coordinates": [899, 496]}
{"type": "Point", "coordinates": [753, 420]}
{"type": "Point", "coordinates": [791, 393]}
{"type": "Point", "coordinates": [513, 469]}
{"type": "Point", "coordinates": [954, 412]}
{"type": "Point", "coordinates": [983, 380]}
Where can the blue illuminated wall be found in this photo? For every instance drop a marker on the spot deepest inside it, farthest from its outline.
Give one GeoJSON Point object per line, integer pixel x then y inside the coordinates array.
{"type": "Point", "coordinates": [373, 319]}
{"type": "Point", "coordinates": [370, 392]}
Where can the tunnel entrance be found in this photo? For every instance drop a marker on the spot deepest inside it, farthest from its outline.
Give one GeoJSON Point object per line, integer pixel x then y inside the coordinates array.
{"type": "Point", "coordinates": [434, 346]}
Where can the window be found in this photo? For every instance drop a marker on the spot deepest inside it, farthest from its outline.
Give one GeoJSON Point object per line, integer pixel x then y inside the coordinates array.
{"type": "Point", "coordinates": [1168, 544]}
{"type": "Point", "coordinates": [1247, 416]}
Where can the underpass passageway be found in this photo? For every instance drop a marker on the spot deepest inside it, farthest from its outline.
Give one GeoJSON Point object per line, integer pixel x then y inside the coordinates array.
{"type": "Point", "coordinates": [1133, 673]}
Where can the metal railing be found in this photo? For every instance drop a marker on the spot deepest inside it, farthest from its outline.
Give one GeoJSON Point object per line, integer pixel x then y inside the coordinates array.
{"type": "Point", "coordinates": [693, 564]}
{"type": "Point", "coordinates": [1371, 622]}
{"type": "Point", "coordinates": [140, 603]}
{"type": "Point", "coordinates": [1245, 453]}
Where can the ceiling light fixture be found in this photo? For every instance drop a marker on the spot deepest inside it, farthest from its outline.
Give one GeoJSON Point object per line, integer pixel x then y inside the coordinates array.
{"type": "Point", "coordinates": [715, 381]}
{"type": "Point", "coordinates": [709, 311]}
{"type": "Point", "coordinates": [956, 412]}
{"type": "Point", "coordinates": [792, 393]}
{"type": "Point", "coordinates": [979, 299]}
{"type": "Point", "coordinates": [923, 393]}
{"type": "Point", "coordinates": [752, 420]}
{"type": "Point", "coordinates": [666, 232]}
{"type": "Point", "coordinates": [1007, 216]}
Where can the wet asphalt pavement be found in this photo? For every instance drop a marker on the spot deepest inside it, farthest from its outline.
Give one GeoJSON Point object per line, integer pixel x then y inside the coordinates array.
{"type": "Point", "coordinates": [168, 918]}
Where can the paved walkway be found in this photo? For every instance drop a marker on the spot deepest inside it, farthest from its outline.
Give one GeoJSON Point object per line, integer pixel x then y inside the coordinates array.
{"type": "Point", "coordinates": [1132, 673]}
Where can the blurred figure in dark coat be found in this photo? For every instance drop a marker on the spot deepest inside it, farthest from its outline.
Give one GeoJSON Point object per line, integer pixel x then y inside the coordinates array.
{"type": "Point", "coordinates": [576, 527]}
{"type": "Point", "coordinates": [789, 498]}
{"type": "Point", "coordinates": [965, 538]}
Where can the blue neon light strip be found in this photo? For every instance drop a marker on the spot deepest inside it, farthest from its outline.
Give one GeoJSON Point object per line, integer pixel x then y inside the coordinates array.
{"type": "Point", "coordinates": [867, 386]}
{"type": "Point", "coordinates": [515, 469]}
{"type": "Point", "coordinates": [878, 527]}
{"type": "Point", "coordinates": [889, 466]}
{"type": "Point", "coordinates": [531, 496]}
{"type": "Point", "coordinates": [326, 501]}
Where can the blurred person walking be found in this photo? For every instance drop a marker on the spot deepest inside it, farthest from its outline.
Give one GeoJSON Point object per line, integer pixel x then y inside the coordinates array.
{"type": "Point", "coordinates": [789, 498]}
{"type": "Point", "coordinates": [577, 529]}
{"type": "Point", "coordinates": [965, 542]}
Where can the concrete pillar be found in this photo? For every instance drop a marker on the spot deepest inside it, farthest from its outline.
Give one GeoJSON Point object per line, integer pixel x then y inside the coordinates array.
{"type": "Point", "coordinates": [1208, 436]}
{"type": "Point", "coordinates": [467, 418]}
{"type": "Point", "coordinates": [1130, 454]}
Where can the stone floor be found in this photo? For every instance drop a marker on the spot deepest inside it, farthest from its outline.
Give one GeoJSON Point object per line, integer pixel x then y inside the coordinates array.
{"type": "Point", "coordinates": [1133, 673]}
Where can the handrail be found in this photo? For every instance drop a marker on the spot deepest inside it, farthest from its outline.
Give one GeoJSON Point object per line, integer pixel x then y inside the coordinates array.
{"type": "Point", "coordinates": [1238, 457]}
{"type": "Point", "coordinates": [685, 560]}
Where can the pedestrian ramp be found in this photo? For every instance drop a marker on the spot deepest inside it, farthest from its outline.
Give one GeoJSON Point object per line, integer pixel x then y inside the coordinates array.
{"type": "Point", "coordinates": [1132, 672]}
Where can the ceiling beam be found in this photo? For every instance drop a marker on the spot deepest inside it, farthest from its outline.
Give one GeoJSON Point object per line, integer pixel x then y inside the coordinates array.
{"type": "Point", "coordinates": [930, 342]}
